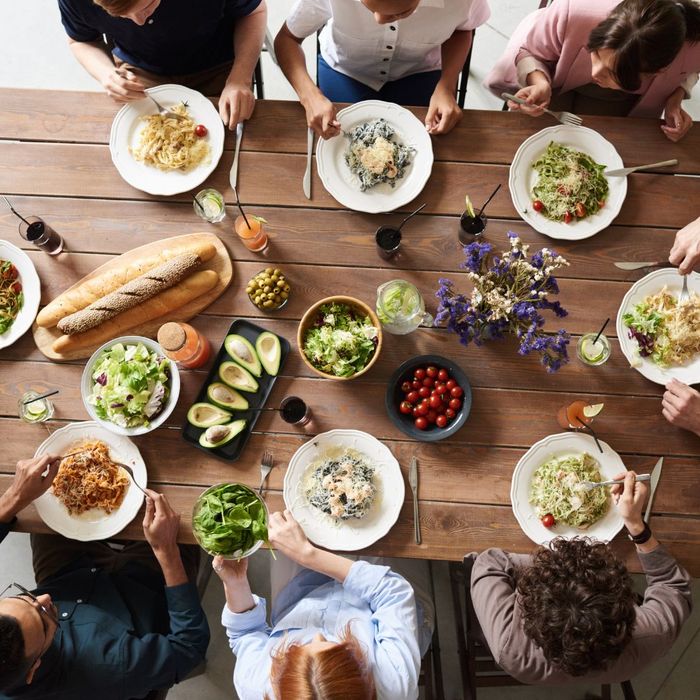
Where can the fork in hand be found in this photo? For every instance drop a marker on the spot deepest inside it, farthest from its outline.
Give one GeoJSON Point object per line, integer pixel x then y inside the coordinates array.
{"type": "Point", "coordinates": [167, 113]}
{"type": "Point", "coordinates": [685, 294]}
{"type": "Point", "coordinates": [590, 485]}
{"type": "Point", "coordinates": [265, 469]}
{"type": "Point", "coordinates": [564, 117]}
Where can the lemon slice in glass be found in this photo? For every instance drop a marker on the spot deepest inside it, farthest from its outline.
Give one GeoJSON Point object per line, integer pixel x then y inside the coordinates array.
{"type": "Point", "coordinates": [592, 410]}
{"type": "Point", "coordinates": [470, 208]}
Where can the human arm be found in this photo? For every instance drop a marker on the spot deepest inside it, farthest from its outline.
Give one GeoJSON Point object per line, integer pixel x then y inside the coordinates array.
{"type": "Point", "coordinates": [160, 526]}
{"type": "Point", "coordinates": [677, 121]}
{"type": "Point", "coordinates": [236, 102]}
{"type": "Point", "coordinates": [686, 248]}
{"type": "Point", "coordinates": [680, 406]}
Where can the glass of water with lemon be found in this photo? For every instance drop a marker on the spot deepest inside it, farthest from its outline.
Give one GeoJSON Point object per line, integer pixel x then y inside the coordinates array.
{"type": "Point", "coordinates": [592, 350]}
{"type": "Point", "coordinates": [34, 411]}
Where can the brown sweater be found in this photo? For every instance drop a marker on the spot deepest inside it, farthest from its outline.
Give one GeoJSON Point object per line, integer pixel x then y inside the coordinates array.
{"type": "Point", "coordinates": [666, 606]}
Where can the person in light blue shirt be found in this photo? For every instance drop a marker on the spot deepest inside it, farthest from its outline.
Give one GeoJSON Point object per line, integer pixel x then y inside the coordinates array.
{"type": "Point", "coordinates": [340, 628]}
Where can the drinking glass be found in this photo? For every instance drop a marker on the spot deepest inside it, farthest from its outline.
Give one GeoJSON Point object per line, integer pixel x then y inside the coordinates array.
{"type": "Point", "coordinates": [295, 411]}
{"type": "Point", "coordinates": [209, 205]}
{"type": "Point", "coordinates": [39, 233]}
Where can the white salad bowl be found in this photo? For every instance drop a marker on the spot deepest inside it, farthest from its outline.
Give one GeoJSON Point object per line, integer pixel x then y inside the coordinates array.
{"type": "Point", "coordinates": [86, 385]}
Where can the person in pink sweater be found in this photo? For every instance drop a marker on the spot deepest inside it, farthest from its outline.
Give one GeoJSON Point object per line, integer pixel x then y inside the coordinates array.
{"type": "Point", "coordinates": [637, 57]}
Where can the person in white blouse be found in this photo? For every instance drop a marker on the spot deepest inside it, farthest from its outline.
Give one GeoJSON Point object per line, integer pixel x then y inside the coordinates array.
{"type": "Point", "coordinates": [404, 51]}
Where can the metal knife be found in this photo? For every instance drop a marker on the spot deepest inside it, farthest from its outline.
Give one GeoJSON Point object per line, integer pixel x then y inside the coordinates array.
{"type": "Point", "coordinates": [640, 265]}
{"type": "Point", "coordinates": [233, 176]}
{"type": "Point", "coordinates": [655, 476]}
{"type": "Point", "coordinates": [413, 481]}
{"type": "Point", "coordinates": [627, 171]}
{"type": "Point", "coordinates": [309, 151]}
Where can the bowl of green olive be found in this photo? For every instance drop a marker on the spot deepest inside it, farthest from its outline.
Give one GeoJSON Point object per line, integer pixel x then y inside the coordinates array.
{"type": "Point", "coordinates": [269, 289]}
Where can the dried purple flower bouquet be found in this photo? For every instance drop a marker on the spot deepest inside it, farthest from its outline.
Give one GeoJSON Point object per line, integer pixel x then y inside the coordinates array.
{"type": "Point", "coordinates": [508, 296]}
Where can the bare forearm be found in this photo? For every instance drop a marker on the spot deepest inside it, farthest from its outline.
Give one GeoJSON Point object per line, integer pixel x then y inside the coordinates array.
{"type": "Point", "coordinates": [92, 57]}
{"type": "Point", "coordinates": [9, 506]}
{"type": "Point", "coordinates": [290, 57]}
{"type": "Point", "coordinates": [239, 597]}
{"type": "Point", "coordinates": [326, 563]}
{"type": "Point", "coordinates": [248, 37]}
{"type": "Point", "coordinates": [454, 54]}
{"type": "Point", "coordinates": [171, 564]}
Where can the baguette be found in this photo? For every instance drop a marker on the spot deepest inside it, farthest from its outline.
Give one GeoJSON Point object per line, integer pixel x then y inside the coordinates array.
{"type": "Point", "coordinates": [94, 288]}
{"type": "Point", "coordinates": [131, 294]}
{"type": "Point", "coordinates": [164, 303]}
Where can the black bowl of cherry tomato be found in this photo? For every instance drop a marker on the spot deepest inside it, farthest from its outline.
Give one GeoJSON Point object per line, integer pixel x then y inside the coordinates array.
{"type": "Point", "coordinates": [428, 398]}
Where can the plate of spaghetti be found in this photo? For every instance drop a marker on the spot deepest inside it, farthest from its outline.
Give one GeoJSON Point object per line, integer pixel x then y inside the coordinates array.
{"type": "Point", "coordinates": [20, 292]}
{"type": "Point", "coordinates": [166, 155]}
{"type": "Point", "coordinates": [92, 497]}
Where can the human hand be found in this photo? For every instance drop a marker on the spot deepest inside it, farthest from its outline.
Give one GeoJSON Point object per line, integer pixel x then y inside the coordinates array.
{"type": "Point", "coordinates": [286, 534]}
{"type": "Point", "coordinates": [236, 103]}
{"type": "Point", "coordinates": [231, 571]}
{"type": "Point", "coordinates": [320, 115]}
{"type": "Point", "coordinates": [28, 484]}
{"type": "Point", "coordinates": [629, 498]}
{"type": "Point", "coordinates": [160, 524]}
{"type": "Point", "coordinates": [680, 406]}
{"type": "Point", "coordinates": [677, 120]}
{"type": "Point", "coordinates": [443, 111]}
{"type": "Point", "coordinates": [686, 248]}
{"type": "Point", "coordinates": [537, 97]}
{"type": "Point", "coordinates": [122, 85]}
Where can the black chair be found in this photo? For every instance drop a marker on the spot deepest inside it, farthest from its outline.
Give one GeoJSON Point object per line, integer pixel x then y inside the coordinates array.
{"type": "Point", "coordinates": [478, 667]}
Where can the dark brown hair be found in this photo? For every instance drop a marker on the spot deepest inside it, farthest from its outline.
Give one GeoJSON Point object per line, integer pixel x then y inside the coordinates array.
{"type": "Point", "coordinates": [646, 36]}
{"type": "Point", "coordinates": [341, 672]}
{"type": "Point", "coordinates": [577, 604]}
{"type": "Point", "coordinates": [14, 665]}
{"type": "Point", "coordinates": [116, 7]}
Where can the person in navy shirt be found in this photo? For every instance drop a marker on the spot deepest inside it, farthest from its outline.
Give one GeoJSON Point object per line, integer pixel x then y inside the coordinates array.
{"type": "Point", "coordinates": [209, 45]}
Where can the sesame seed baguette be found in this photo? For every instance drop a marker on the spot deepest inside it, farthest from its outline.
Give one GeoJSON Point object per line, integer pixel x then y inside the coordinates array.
{"type": "Point", "coordinates": [130, 295]}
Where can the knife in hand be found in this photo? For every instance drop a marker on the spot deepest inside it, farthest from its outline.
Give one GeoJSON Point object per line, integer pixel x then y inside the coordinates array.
{"type": "Point", "coordinates": [655, 476]}
{"type": "Point", "coordinates": [233, 175]}
{"type": "Point", "coordinates": [307, 174]}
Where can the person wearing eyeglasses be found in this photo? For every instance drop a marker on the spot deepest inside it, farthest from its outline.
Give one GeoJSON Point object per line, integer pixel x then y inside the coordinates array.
{"type": "Point", "coordinates": [104, 623]}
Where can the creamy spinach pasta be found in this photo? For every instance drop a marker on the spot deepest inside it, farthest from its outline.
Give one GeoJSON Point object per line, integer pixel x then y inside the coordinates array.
{"type": "Point", "coordinates": [373, 156]}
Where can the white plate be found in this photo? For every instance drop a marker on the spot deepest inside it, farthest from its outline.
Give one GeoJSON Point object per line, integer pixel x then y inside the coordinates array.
{"type": "Point", "coordinates": [32, 292]}
{"type": "Point", "coordinates": [346, 535]}
{"type": "Point", "coordinates": [86, 384]}
{"type": "Point", "coordinates": [688, 373]}
{"type": "Point", "coordinates": [128, 123]}
{"type": "Point", "coordinates": [345, 186]}
{"type": "Point", "coordinates": [522, 179]}
{"type": "Point", "coordinates": [93, 524]}
{"type": "Point", "coordinates": [560, 445]}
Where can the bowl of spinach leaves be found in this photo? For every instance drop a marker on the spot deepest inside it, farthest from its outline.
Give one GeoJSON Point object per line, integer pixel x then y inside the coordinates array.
{"type": "Point", "coordinates": [230, 520]}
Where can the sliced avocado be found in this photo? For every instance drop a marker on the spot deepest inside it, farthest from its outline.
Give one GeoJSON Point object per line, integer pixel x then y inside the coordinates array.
{"type": "Point", "coordinates": [238, 377]}
{"type": "Point", "coordinates": [243, 352]}
{"type": "Point", "coordinates": [204, 415]}
{"type": "Point", "coordinates": [219, 435]}
{"type": "Point", "coordinates": [223, 395]}
{"type": "Point", "coordinates": [269, 351]}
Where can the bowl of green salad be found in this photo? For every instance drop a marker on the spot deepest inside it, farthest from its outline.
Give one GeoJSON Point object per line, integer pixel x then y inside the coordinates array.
{"type": "Point", "coordinates": [339, 337]}
{"type": "Point", "coordinates": [230, 520]}
{"type": "Point", "coordinates": [129, 386]}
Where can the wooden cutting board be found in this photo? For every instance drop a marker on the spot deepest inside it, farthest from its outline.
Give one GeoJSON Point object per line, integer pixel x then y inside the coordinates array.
{"type": "Point", "coordinates": [220, 263]}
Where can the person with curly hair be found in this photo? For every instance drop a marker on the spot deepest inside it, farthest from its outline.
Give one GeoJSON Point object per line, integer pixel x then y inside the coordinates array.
{"type": "Point", "coordinates": [569, 612]}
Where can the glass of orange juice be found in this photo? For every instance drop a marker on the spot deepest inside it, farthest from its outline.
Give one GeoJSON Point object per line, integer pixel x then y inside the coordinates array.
{"type": "Point", "coordinates": [578, 414]}
{"type": "Point", "coordinates": [252, 233]}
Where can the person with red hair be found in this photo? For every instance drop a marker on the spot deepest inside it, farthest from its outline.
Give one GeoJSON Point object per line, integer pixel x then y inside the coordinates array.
{"type": "Point", "coordinates": [340, 629]}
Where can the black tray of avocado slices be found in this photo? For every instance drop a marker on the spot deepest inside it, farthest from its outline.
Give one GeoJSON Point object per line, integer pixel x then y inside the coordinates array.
{"type": "Point", "coordinates": [241, 378]}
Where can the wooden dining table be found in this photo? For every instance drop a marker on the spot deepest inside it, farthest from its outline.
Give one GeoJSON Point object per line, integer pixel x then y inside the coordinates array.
{"type": "Point", "coordinates": [55, 163]}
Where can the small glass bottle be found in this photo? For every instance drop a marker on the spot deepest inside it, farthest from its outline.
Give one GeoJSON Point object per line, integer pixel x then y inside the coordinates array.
{"type": "Point", "coordinates": [184, 344]}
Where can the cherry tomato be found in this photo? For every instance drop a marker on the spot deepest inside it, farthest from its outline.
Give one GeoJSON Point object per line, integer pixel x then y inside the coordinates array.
{"type": "Point", "coordinates": [441, 421]}
{"type": "Point", "coordinates": [421, 423]}
{"type": "Point", "coordinates": [455, 404]}
{"type": "Point", "coordinates": [568, 217]}
{"type": "Point", "coordinates": [548, 520]}
{"type": "Point", "coordinates": [11, 273]}
{"type": "Point", "coordinates": [412, 396]}
{"type": "Point", "coordinates": [432, 371]}
{"type": "Point", "coordinates": [414, 412]}
{"type": "Point", "coordinates": [424, 392]}
{"type": "Point", "coordinates": [406, 387]}
{"type": "Point", "coordinates": [440, 388]}
{"type": "Point", "coordinates": [419, 373]}
{"type": "Point", "coordinates": [405, 407]}
{"type": "Point", "coordinates": [601, 203]}
{"type": "Point", "coordinates": [431, 416]}
{"type": "Point", "coordinates": [435, 402]}
{"type": "Point", "coordinates": [450, 383]}
{"type": "Point", "coordinates": [442, 408]}
{"type": "Point", "coordinates": [537, 205]}
{"type": "Point", "coordinates": [422, 410]}
{"type": "Point", "coordinates": [416, 384]}
{"type": "Point", "coordinates": [16, 287]}
{"type": "Point", "coordinates": [200, 130]}
{"type": "Point", "coordinates": [450, 413]}
{"type": "Point", "coordinates": [456, 392]}
{"type": "Point", "coordinates": [580, 210]}
{"type": "Point", "coordinates": [442, 374]}
{"type": "Point", "coordinates": [428, 381]}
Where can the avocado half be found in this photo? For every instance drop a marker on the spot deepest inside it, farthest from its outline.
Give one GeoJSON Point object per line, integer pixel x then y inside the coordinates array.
{"type": "Point", "coordinates": [204, 415]}
{"type": "Point", "coordinates": [269, 350]}
{"type": "Point", "coordinates": [238, 377]}
{"type": "Point", "coordinates": [240, 349]}
{"type": "Point", "coordinates": [223, 395]}
{"type": "Point", "coordinates": [218, 435]}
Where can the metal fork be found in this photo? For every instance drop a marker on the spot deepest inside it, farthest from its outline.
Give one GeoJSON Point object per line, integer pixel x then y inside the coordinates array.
{"type": "Point", "coordinates": [590, 485]}
{"type": "Point", "coordinates": [130, 472]}
{"type": "Point", "coordinates": [163, 111]}
{"type": "Point", "coordinates": [685, 294]}
{"type": "Point", "coordinates": [564, 117]}
{"type": "Point", "coordinates": [265, 469]}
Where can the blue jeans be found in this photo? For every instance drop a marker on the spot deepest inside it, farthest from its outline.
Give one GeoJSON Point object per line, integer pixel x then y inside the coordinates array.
{"type": "Point", "coordinates": [416, 89]}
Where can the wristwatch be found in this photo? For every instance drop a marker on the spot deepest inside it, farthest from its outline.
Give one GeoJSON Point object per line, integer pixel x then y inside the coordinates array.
{"type": "Point", "coordinates": [643, 536]}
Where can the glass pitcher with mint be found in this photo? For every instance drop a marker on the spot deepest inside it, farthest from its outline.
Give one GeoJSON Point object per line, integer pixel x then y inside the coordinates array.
{"type": "Point", "coordinates": [400, 307]}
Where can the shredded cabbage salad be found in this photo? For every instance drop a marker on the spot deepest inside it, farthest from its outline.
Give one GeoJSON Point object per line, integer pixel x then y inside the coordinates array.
{"type": "Point", "coordinates": [556, 489]}
{"type": "Point", "coordinates": [570, 183]}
